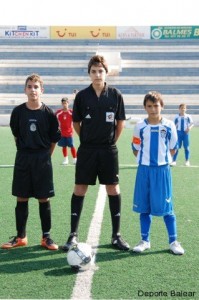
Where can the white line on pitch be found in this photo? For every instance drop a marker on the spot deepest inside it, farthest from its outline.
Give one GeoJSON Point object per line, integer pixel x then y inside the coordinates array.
{"type": "Point", "coordinates": [181, 166]}
{"type": "Point", "coordinates": [6, 166]}
{"type": "Point", "coordinates": [82, 288]}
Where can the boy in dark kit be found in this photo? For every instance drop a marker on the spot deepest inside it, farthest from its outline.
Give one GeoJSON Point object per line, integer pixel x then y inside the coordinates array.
{"type": "Point", "coordinates": [35, 129]}
{"type": "Point", "coordinates": [98, 116]}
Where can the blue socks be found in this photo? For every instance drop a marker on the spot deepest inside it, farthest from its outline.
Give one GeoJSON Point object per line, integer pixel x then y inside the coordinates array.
{"type": "Point", "coordinates": [145, 224]}
{"type": "Point", "coordinates": [170, 222]}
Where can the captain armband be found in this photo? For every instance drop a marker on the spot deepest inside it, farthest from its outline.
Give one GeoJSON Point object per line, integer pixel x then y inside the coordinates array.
{"type": "Point", "coordinates": [136, 140]}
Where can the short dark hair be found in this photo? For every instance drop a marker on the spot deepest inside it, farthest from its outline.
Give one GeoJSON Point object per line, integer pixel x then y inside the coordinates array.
{"type": "Point", "coordinates": [154, 97]}
{"type": "Point", "coordinates": [65, 99]}
{"type": "Point", "coordinates": [97, 60]}
{"type": "Point", "coordinates": [182, 105]}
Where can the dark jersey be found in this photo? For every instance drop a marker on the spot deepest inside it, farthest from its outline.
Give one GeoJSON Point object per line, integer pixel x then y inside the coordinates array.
{"type": "Point", "coordinates": [34, 129]}
{"type": "Point", "coordinates": [98, 116]}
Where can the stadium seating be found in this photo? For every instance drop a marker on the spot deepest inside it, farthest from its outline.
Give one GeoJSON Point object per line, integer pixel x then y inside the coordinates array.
{"type": "Point", "coordinates": [169, 66]}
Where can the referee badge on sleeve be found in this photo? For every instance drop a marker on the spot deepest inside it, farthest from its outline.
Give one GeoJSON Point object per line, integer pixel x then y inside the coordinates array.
{"type": "Point", "coordinates": [109, 116]}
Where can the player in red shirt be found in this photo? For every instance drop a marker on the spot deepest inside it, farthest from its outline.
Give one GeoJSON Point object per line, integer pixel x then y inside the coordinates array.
{"type": "Point", "coordinates": [64, 117]}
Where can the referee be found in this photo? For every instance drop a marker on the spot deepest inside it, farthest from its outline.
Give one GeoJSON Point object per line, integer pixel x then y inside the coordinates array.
{"type": "Point", "coordinates": [98, 116]}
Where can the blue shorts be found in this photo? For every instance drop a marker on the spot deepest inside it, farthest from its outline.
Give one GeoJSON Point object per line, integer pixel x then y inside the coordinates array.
{"type": "Point", "coordinates": [66, 142]}
{"type": "Point", "coordinates": [153, 190]}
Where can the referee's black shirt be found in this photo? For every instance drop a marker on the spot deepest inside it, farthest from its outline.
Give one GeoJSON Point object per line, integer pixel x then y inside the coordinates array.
{"type": "Point", "coordinates": [98, 115]}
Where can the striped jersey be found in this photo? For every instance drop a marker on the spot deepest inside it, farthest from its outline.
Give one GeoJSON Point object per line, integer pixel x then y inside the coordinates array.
{"type": "Point", "coordinates": [183, 122]}
{"type": "Point", "coordinates": [153, 142]}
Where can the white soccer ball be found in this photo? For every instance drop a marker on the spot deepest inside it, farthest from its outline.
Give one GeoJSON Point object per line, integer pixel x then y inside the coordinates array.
{"type": "Point", "coordinates": [81, 256]}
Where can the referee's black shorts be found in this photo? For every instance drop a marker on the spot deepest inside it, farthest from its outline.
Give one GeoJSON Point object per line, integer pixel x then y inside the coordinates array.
{"type": "Point", "coordinates": [93, 163]}
{"type": "Point", "coordinates": [33, 175]}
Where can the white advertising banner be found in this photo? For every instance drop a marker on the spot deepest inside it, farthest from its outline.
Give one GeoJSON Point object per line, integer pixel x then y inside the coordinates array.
{"type": "Point", "coordinates": [24, 32]}
{"type": "Point", "coordinates": [133, 32]}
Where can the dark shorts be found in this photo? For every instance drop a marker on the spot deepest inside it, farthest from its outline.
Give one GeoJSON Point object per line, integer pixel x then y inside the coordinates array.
{"type": "Point", "coordinates": [33, 175]}
{"type": "Point", "coordinates": [66, 142]}
{"type": "Point", "coordinates": [97, 162]}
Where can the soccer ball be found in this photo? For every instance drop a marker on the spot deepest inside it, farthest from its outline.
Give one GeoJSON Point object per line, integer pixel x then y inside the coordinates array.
{"type": "Point", "coordinates": [80, 256]}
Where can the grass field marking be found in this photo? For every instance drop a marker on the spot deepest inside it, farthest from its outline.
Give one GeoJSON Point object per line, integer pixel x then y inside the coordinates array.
{"type": "Point", "coordinates": [83, 282]}
{"type": "Point", "coordinates": [191, 166]}
{"type": "Point", "coordinates": [178, 166]}
{"type": "Point", "coordinates": [6, 166]}
{"type": "Point", "coordinates": [127, 165]}
{"type": "Point", "coordinates": [68, 165]}
{"type": "Point", "coordinates": [183, 166]}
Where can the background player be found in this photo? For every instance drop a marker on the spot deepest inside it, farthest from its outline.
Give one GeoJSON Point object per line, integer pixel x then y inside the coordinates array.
{"type": "Point", "coordinates": [64, 117]}
{"type": "Point", "coordinates": [35, 129]}
{"type": "Point", "coordinates": [98, 116]}
{"type": "Point", "coordinates": [183, 123]}
{"type": "Point", "coordinates": [154, 142]}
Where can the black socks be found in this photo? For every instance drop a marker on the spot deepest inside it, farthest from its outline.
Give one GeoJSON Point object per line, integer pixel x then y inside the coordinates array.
{"type": "Point", "coordinates": [115, 210]}
{"type": "Point", "coordinates": [21, 215]}
{"type": "Point", "coordinates": [76, 209]}
{"type": "Point", "coordinates": [45, 216]}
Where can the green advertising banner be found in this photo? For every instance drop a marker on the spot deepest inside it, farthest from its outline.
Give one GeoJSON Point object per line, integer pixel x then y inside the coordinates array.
{"type": "Point", "coordinates": [174, 32]}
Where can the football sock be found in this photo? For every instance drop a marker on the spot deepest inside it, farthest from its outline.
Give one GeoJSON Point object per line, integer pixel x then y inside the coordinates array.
{"type": "Point", "coordinates": [73, 152]}
{"type": "Point", "coordinates": [175, 156]}
{"type": "Point", "coordinates": [65, 151]}
{"type": "Point", "coordinates": [115, 210]}
{"type": "Point", "coordinates": [145, 224]}
{"type": "Point", "coordinates": [186, 151]}
{"type": "Point", "coordinates": [76, 209]}
{"type": "Point", "coordinates": [170, 222]}
{"type": "Point", "coordinates": [21, 215]}
{"type": "Point", "coordinates": [45, 216]}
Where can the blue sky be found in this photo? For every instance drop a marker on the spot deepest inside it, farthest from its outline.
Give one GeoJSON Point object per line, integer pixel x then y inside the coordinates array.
{"type": "Point", "coordinates": [99, 12]}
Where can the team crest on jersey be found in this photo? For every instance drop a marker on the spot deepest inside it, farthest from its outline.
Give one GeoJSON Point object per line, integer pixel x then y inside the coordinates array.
{"type": "Point", "coordinates": [33, 127]}
{"type": "Point", "coordinates": [109, 117]}
{"type": "Point", "coordinates": [163, 133]}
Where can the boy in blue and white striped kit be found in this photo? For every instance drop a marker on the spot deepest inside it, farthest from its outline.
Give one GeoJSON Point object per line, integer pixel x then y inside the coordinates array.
{"type": "Point", "coordinates": [154, 143]}
{"type": "Point", "coordinates": [183, 123]}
